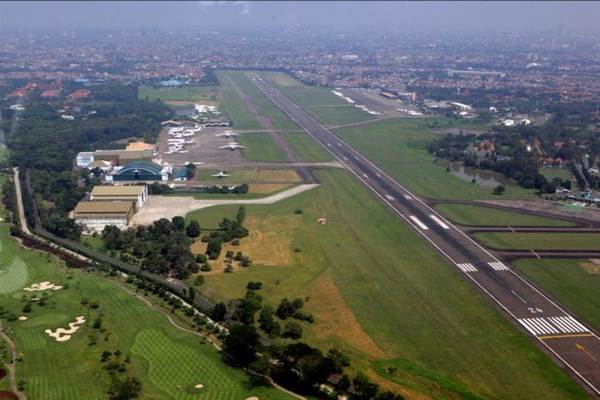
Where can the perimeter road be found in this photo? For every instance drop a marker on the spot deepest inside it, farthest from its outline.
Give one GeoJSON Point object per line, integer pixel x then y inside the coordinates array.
{"type": "Point", "coordinates": [530, 309]}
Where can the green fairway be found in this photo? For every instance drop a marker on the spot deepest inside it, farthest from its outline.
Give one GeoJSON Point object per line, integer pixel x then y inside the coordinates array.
{"type": "Point", "coordinates": [306, 148]}
{"type": "Point", "coordinates": [540, 241]}
{"type": "Point", "coordinates": [201, 94]}
{"type": "Point", "coordinates": [239, 111]}
{"type": "Point", "coordinates": [465, 214]}
{"type": "Point", "coordinates": [379, 292]}
{"type": "Point", "coordinates": [399, 146]}
{"type": "Point", "coordinates": [574, 283]}
{"type": "Point", "coordinates": [261, 147]}
{"type": "Point", "coordinates": [551, 173]}
{"type": "Point", "coordinates": [319, 101]}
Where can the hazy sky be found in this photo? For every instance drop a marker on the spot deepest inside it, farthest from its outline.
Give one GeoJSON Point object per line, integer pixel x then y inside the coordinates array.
{"type": "Point", "coordinates": [338, 15]}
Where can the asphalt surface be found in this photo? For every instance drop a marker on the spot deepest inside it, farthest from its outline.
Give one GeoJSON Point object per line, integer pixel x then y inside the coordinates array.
{"type": "Point", "coordinates": [570, 342]}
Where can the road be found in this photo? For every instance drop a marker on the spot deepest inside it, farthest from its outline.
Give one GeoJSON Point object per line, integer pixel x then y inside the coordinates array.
{"type": "Point", "coordinates": [569, 341]}
{"type": "Point", "coordinates": [21, 212]}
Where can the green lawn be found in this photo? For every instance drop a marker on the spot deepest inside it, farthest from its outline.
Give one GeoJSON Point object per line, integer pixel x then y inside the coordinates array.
{"type": "Point", "coordinates": [399, 146]}
{"type": "Point", "coordinates": [540, 241]}
{"type": "Point", "coordinates": [238, 111]}
{"type": "Point", "coordinates": [406, 298]}
{"type": "Point", "coordinates": [485, 216]}
{"type": "Point", "coordinates": [551, 173]}
{"type": "Point", "coordinates": [305, 147]}
{"type": "Point", "coordinates": [261, 147]}
{"type": "Point", "coordinates": [205, 94]}
{"type": "Point", "coordinates": [319, 101]}
{"type": "Point", "coordinates": [162, 357]}
{"type": "Point", "coordinates": [568, 282]}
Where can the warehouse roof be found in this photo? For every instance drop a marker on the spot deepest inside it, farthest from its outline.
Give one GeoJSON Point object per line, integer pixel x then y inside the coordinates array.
{"type": "Point", "coordinates": [117, 190]}
{"type": "Point", "coordinates": [141, 165]}
{"type": "Point", "coordinates": [103, 207]}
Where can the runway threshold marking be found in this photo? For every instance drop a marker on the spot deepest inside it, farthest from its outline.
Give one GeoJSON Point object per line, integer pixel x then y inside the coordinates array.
{"type": "Point", "coordinates": [418, 222]}
{"type": "Point", "coordinates": [498, 266]}
{"type": "Point", "coordinates": [467, 267]}
{"type": "Point", "coordinates": [565, 336]}
{"type": "Point", "coordinates": [439, 221]}
{"type": "Point", "coordinates": [543, 326]}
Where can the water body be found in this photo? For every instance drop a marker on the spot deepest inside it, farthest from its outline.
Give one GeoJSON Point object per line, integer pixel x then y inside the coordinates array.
{"type": "Point", "coordinates": [484, 178]}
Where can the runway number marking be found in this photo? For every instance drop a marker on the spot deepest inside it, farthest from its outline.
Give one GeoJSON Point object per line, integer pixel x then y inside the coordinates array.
{"type": "Point", "coordinates": [467, 267]}
{"type": "Point", "coordinates": [418, 222]}
{"type": "Point", "coordinates": [535, 310]}
{"type": "Point", "coordinates": [552, 325]}
{"type": "Point", "coordinates": [439, 221]}
{"type": "Point", "coordinates": [498, 266]}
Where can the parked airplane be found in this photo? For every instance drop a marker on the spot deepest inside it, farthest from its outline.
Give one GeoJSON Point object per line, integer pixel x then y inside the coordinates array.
{"type": "Point", "coordinates": [232, 146]}
{"type": "Point", "coordinates": [221, 174]}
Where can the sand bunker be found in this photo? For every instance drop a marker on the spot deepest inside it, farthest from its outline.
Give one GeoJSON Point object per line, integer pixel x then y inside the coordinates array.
{"type": "Point", "coordinates": [62, 334]}
{"type": "Point", "coordinates": [199, 386]}
{"type": "Point", "coordinates": [252, 398]}
{"type": "Point", "coordinates": [39, 287]}
{"type": "Point", "coordinates": [23, 318]}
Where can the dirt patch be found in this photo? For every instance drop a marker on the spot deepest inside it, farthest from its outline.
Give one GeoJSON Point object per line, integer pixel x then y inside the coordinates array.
{"type": "Point", "coordinates": [269, 243]}
{"type": "Point", "coordinates": [591, 268]}
{"type": "Point", "coordinates": [394, 387]}
{"type": "Point", "coordinates": [335, 319]}
{"type": "Point", "coordinates": [265, 188]}
{"type": "Point", "coordinates": [5, 395]}
{"type": "Point", "coordinates": [278, 175]}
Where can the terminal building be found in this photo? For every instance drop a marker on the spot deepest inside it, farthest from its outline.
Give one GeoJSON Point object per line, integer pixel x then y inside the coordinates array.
{"type": "Point", "coordinates": [95, 215]}
{"type": "Point", "coordinates": [136, 194]}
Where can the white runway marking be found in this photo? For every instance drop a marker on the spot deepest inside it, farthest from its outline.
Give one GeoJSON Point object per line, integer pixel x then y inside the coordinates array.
{"type": "Point", "coordinates": [328, 144]}
{"type": "Point", "coordinates": [339, 144]}
{"type": "Point", "coordinates": [467, 267]}
{"type": "Point", "coordinates": [498, 266]}
{"type": "Point", "coordinates": [387, 196]}
{"type": "Point", "coordinates": [345, 158]}
{"type": "Point", "coordinates": [378, 175]}
{"type": "Point", "coordinates": [552, 325]}
{"type": "Point", "coordinates": [365, 175]}
{"type": "Point", "coordinates": [355, 157]}
{"type": "Point", "coordinates": [418, 222]}
{"type": "Point", "coordinates": [439, 222]}
{"type": "Point", "coordinates": [407, 197]}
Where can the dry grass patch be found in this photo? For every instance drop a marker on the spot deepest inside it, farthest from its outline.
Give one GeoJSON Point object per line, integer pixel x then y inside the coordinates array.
{"type": "Point", "coordinates": [592, 268]}
{"type": "Point", "coordinates": [286, 175]}
{"type": "Point", "coordinates": [264, 188]}
{"type": "Point", "coordinates": [269, 243]}
{"type": "Point", "coordinates": [335, 319]}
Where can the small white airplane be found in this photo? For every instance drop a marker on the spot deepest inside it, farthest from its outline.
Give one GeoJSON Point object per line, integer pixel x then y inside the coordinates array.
{"type": "Point", "coordinates": [232, 146]}
{"type": "Point", "coordinates": [221, 174]}
{"type": "Point", "coordinates": [227, 134]}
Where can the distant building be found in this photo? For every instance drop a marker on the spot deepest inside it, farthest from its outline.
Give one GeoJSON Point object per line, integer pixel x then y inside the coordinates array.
{"type": "Point", "coordinates": [137, 194]}
{"type": "Point", "coordinates": [123, 157]}
{"type": "Point", "coordinates": [95, 215]}
{"type": "Point", "coordinates": [141, 171]}
{"type": "Point", "coordinates": [84, 159]}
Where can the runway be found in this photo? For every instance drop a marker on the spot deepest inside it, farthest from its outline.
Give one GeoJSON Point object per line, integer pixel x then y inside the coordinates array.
{"type": "Point", "coordinates": [570, 342]}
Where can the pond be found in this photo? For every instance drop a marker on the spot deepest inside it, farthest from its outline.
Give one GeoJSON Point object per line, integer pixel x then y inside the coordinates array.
{"type": "Point", "coordinates": [484, 178]}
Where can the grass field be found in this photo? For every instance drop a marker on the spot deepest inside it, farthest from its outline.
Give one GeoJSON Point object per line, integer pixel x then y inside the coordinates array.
{"type": "Point", "coordinates": [551, 173]}
{"type": "Point", "coordinates": [399, 146]}
{"type": "Point", "coordinates": [162, 357]}
{"type": "Point", "coordinates": [473, 215]}
{"type": "Point", "coordinates": [186, 94]}
{"type": "Point", "coordinates": [261, 147]}
{"type": "Point", "coordinates": [251, 176]}
{"type": "Point", "coordinates": [540, 241]}
{"type": "Point", "coordinates": [319, 101]}
{"type": "Point", "coordinates": [238, 111]}
{"type": "Point", "coordinates": [305, 147]}
{"type": "Point", "coordinates": [574, 283]}
{"type": "Point", "coordinates": [382, 295]}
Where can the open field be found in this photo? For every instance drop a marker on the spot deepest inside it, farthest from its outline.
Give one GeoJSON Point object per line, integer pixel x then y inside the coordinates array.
{"type": "Point", "coordinates": [238, 110]}
{"type": "Point", "coordinates": [465, 214]}
{"type": "Point", "coordinates": [175, 96]}
{"type": "Point", "coordinates": [162, 357]}
{"type": "Point", "coordinates": [382, 295]}
{"type": "Point", "coordinates": [251, 176]}
{"type": "Point", "coordinates": [319, 101]}
{"type": "Point", "coordinates": [574, 283]}
{"type": "Point", "coordinates": [305, 147]}
{"type": "Point", "coordinates": [540, 241]}
{"type": "Point", "coordinates": [260, 147]}
{"type": "Point", "coordinates": [399, 146]}
{"type": "Point", "coordinates": [551, 173]}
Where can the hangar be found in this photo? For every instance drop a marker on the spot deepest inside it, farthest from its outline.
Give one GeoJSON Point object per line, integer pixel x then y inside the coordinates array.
{"type": "Point", "coordinates": [141, 171]}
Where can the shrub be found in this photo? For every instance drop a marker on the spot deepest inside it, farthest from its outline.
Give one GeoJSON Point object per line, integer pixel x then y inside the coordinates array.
{"type": "Point", "coordinates": [298, 211]}
{"type": "Point", "coordinates": [254, 285]}
{"type": "Point", "coordinates": [201, 258]}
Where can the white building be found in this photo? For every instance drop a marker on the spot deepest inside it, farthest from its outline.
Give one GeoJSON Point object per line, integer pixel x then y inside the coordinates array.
{"type": "Point", "coordinates": [137, 194]}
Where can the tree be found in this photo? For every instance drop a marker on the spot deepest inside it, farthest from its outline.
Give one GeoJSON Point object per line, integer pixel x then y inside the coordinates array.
{"type": "Point", "coordinates": [218, 313]}
{"type": "Point", "coordinates": [240, 344]}
{"type": "Point", "coordinates": [498, 190]}
{"type": "Point", "coordinates": [213, 249]}
{"type": "Point", "coordinates": [130, 388]}
{"type": "Point", "coordinates": [292, 330]}
{"type": "Point", "coordinates": [178, 223]}
{"type": "Point", "coordinates": [193, 229]}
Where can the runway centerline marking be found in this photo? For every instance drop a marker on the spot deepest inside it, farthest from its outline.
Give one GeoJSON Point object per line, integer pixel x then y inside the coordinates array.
{"type": "Point", "coordinates": [439, 221]}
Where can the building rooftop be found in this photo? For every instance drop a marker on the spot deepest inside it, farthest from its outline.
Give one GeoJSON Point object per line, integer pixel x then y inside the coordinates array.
{"type": "Point", "coordinates": [117, 190]}
{"type": "Point", "coordinates": [103, 207]}
{"type": "Point", "coordinates": [141, 165]}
